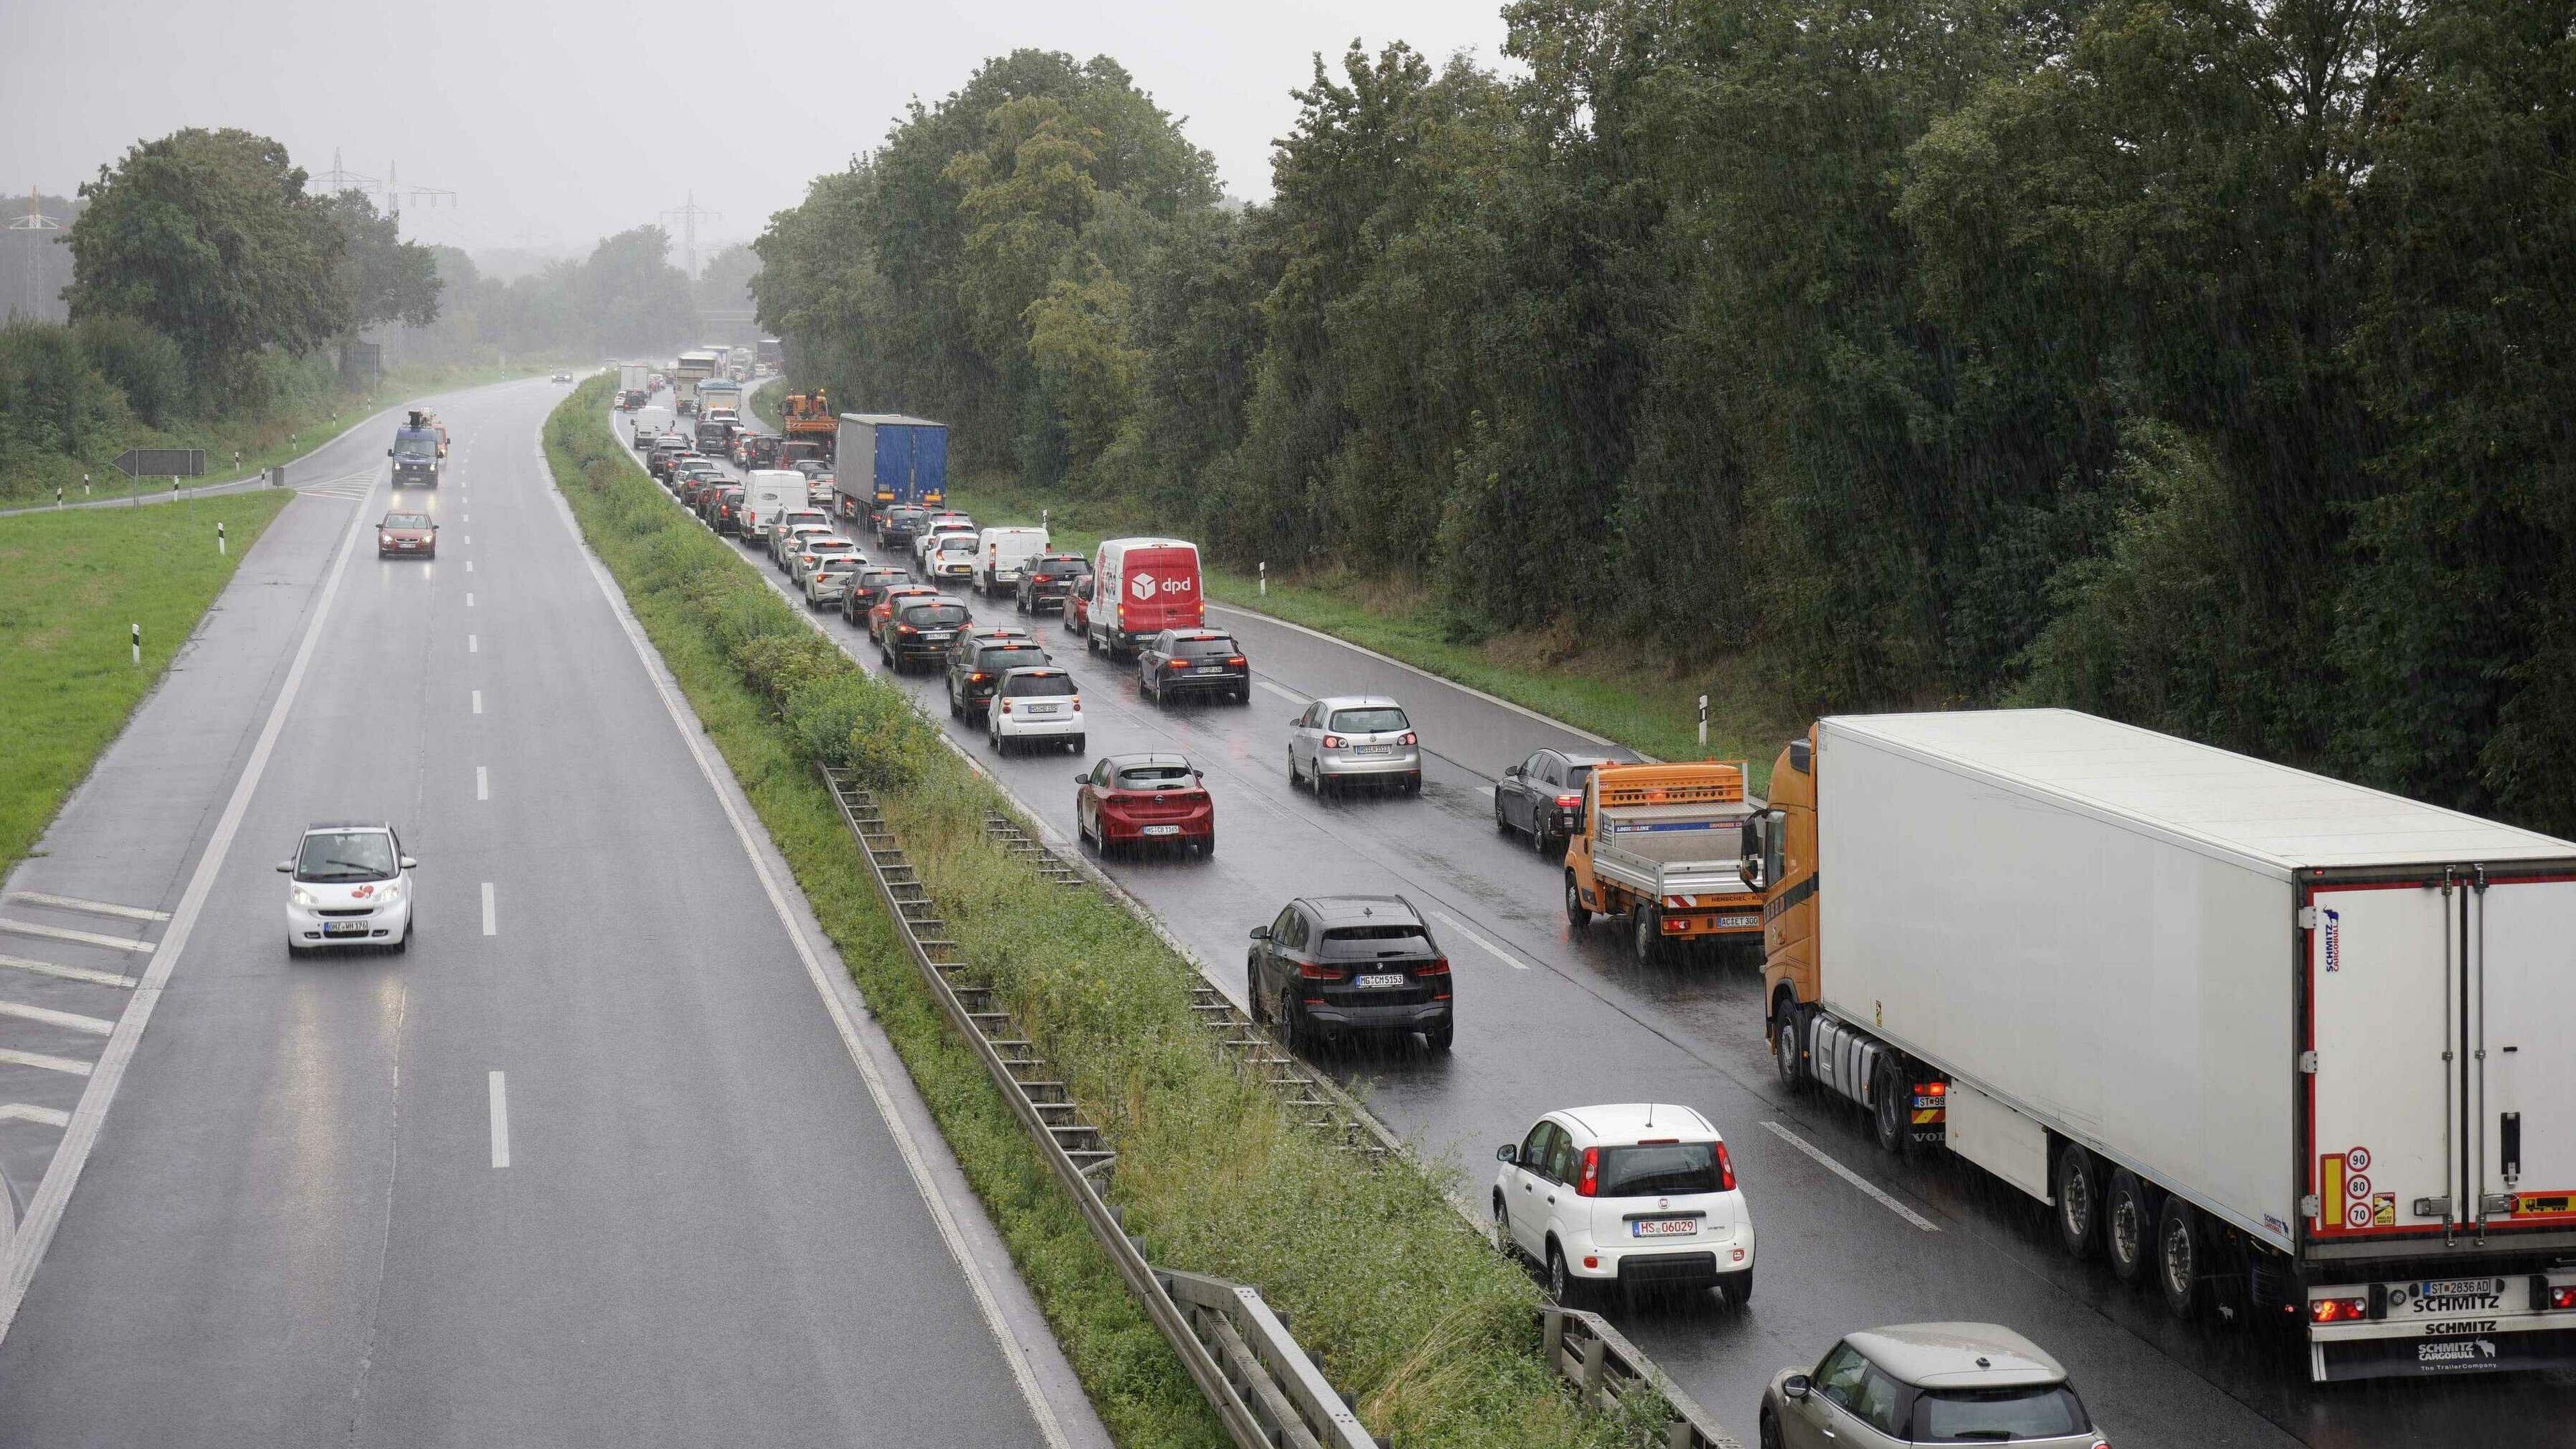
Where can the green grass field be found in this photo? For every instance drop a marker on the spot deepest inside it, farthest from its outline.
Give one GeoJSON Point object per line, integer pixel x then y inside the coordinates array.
{"type": "Point", "coordinates": [71, 586]}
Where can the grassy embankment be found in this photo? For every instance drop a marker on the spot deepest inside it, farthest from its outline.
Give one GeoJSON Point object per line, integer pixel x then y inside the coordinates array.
{"type": "Point", "coordinates": [1421, 1323]}
{"type": "Point", "coordinates": [71, 585]}
{"type": "Point", "coordinates": [1614, 690]}
{"type": "Point", "coordinates": [287, 430]}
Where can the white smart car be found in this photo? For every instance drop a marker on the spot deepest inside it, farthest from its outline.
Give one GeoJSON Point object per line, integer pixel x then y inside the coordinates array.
{"type": "Point", "coordinates": [1639, 1194]}
{"type": "Point", "coordinates": [348, 885]}
{"type": "Point", "coordinates": [1034, 706]}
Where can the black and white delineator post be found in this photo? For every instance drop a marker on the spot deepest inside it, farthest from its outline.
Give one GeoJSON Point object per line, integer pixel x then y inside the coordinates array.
{"type": "Point", "coordinates": [138, 644]}
{"type": "Point", "coordinates": [1703, 719]}
{"type": "Point", "coordinates": [219, 540]}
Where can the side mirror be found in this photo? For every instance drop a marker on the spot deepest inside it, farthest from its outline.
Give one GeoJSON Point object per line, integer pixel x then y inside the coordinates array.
{"type": "Point", "coordinates": [1511, 772]}
{"type": "Point", "coordinates": [286, 867]}
{"type": "Point", "coordinates": [389, 452]}
{"type": "Point", "coordinates": [1198, 774]}
{"type": "Point", "coordinates": [1083, 778]}
{"type": "Point", "coordinates": [1795, 1386]}
{"type": "Point", "coordinates": [1261, 933]}
{"type": "Point", "coordinates": [409, 864]}
{"type": "Point", "coordinates": [1507, 1153]}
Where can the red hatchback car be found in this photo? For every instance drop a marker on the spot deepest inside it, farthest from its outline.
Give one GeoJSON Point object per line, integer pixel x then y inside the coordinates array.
{"type": "Point", "coordinates": [1130, 801]}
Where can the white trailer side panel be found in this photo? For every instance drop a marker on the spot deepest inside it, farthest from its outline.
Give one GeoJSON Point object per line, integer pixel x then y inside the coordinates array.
{"type": "Point", "coordinates": [2126, 987]}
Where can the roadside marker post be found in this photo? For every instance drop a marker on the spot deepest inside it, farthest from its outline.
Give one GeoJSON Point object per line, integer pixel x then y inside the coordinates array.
{"type": "Point", "coordinates": [219, 540]}
{"type": "Point", "coordinates": [138, 646]}
{"type": "Point", "coordinates": [1703, 719]}
{"type": "Point", "coordinates": [1265, 578]}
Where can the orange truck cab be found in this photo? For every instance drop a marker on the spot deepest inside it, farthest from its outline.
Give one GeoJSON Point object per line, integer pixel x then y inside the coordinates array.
{"type": "Point", "coordinates": [1661, 846]}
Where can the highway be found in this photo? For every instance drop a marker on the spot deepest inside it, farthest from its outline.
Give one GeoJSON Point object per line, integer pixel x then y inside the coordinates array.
{"type": "Point", "coordinates": [1550, 1017]}
{"type": "Point", "coordinates": [612, 1155]}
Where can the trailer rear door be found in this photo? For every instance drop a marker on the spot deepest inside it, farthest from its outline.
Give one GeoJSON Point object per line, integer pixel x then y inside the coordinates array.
{"type": "Point", "coordinates": [2521, 1017]}
{"type": "Point", "coordinates": [2384, 976]}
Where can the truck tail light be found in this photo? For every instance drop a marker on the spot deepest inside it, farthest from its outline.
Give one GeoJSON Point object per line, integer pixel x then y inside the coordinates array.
{"type": "Point", "coordinates": [2561, 1296]}
{"type": "Point", "coordinates": [1588, 1184]}
{"type": "Point", "coordinates": [2338, 1310]}
{"type": "Point", "coordinates": [1725, 1169]}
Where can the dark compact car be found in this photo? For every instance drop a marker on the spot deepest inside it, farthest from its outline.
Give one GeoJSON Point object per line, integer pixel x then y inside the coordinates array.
{"type": "Point", "coordinates": [724, 509]}
{"type": "Point", "coordinates": [1543, 796]}
{"type": "Point", "coordinates": [1331, 966]}
{"type": "Point", "coordinates": [1193, 661]}
{"type": "Point", "coordinates": [665, 458]}
{"type": "Point", "coordinates": [1126, 802]}
{"type": "Point", "coordinates": [1046, 580]}
{"type": "Point", "coordinates": [899, 526]}
{"type": "Point", "coordinates": [976, 663]}
{"type": "Point", "coordinates": [406, 533]}
{"type": "Point", "coordinates": [865, 587]}
{"type": "Point", "coordinates": [918, 631]}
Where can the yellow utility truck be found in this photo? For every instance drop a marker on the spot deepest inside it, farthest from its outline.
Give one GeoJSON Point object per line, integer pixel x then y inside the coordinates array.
{"type": "Point", "coordinates": [1660, 848]}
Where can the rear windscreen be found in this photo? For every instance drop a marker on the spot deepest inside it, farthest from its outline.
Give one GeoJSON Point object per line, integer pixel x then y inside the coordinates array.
{"type": "Point", "coordinates": [957, 543]}
{"type": "Point", "coordinates": [1063, 566]}
{"type": "Point", "coordinates": [1369, 943]}
{"type": "Point", "coordinates": [1377, 719]}
{"type": "Point", "coordinates": [1154, 777]}
{"type": "Point", "coordinates": [1019, 656]}
{"type": "Point", "coordinates": [1039, 686]}
{"type": "Point", "coordinates": [1984, 1416]}
{"type": "Point", "coordinates": [1665, 1169]}
{"type": "Point", "coordinates": [931, 616]}
{"type": "Point", "coordinates": [1205, 648]}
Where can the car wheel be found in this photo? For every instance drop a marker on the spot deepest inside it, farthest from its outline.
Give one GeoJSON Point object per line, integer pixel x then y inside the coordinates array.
{"type": "Point", "coordinates": [1503, 1229]}
{"type": "Point", "coordinates": [1562, 1285]}
{"type": "Point", "coordinates": [2180, 1254]}
{"type": "Point", "coordinates": [2129, 1226]}
{"type": "Point", "coordinates": [2079, 1201]}
{"type": "Point", "coordinates": [1769, 1433]}
{"type": "Point", "coordinates": [1439, 1037]}
{"type": "Point", "coordinates": [1646, 932]}
{"type": "Point", "coordinates": [1502, 823]}
{"type": "Point", "coordinates": [1078, 742]}
{"type": "Point", "coordinates": [1252, 1003]}
{"type": "Point", "coordinates": [1738, 1288]}
{"type": "Point", "coordinates": [1000, 745]}
{"type": "Point", "coordinates": [1294, 1034]}
{"type": "Point", "coordinates": [1293, 780]}
{"type": "Point", "coordinates": [1545, 844]}
{"type": "Point", "coordinates": [1090, 641]}
{"type": "Point", "coordinates": [953, 711]}
{"type": "Point", "coordinates": [1207, 847]}
{"type": "Point", "coordinates": [1577, 914]}
{"type": "Point", "coordinates": [404, 944]}
{"type": "Point", "coordinates": [1019, 605]}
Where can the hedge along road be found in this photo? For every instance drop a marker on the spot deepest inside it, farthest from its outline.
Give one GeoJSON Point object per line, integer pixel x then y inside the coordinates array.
{"type": "Point", "coordinates": [590, 1162]}
{"type": "Point", "coordinates": [1549, 1018]}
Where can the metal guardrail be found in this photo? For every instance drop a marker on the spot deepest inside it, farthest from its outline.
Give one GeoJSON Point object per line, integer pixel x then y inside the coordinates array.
{"type": "Point", "coordinates": [1608, 1371]}
{"type": "Point", "coordinates": [1262, 1385]}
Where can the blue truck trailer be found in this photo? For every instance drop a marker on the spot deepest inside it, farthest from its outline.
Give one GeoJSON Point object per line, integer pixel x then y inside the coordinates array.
{"type": "Point", "coordinates": [885, 459]}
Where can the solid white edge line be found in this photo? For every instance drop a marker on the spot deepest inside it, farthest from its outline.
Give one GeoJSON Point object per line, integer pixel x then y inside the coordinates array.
{"type": "Point", "coordinates": [1021, 1371]}
{"type": "Point", "coordinates": [500, 1121]}
{"type": "Point", "coordinates": [488, 921]}
{"type": "Point", "coordinates": [80, 1136]}
{"type": "Point", "coordinates": [1854, 1178]}
{"type": "Point", "coordinates": [1469, 932]}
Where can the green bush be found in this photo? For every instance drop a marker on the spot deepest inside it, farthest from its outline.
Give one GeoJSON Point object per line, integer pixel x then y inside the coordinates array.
{"type": "Point", "coordinates": [144, 365]}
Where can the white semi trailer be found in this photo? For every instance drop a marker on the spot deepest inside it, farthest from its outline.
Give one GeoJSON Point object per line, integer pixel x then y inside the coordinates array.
{"type": "Point", "coordinates": [2267, 1039]}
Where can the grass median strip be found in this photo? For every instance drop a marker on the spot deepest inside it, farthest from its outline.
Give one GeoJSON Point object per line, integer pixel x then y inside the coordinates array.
{"type": "Point", "coordinates": [72, 586]}
{"type": "Point", "coordinates": [1416, 1319]}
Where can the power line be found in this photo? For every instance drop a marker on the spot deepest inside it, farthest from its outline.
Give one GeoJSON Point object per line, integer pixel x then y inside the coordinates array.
{"type": "Point", "coordinates": [396, 193]}
{"type": "Point", "coordinates": [689, 215]}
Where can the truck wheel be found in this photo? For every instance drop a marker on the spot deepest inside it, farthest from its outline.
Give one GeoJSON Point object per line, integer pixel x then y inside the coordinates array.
{"type": "Point", "coordinates": [1888, 1101]}
{"type": "Point", "coordinates": [2180, 1251]}
{"type": "Point", "coordinates": [2129, 1221]}
{"type": "Point", "coordinates": [1786, 1058]}
{"type": "Point", "coordinates": [1646, 926]}
{"type": "Point", "coordinates": [2079, 1201]}
{"type": "Point", "coordinates": [1577, 914]}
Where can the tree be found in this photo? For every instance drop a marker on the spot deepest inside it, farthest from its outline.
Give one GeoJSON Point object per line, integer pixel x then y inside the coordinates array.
{"type": "Point", "coordinates": [383, 277]}
{"type": "Point", "coordinates": [210, 238]}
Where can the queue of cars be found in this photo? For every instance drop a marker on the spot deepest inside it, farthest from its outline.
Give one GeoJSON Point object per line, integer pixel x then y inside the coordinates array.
{"type": "Point", "coordinates": [1626, 1197]}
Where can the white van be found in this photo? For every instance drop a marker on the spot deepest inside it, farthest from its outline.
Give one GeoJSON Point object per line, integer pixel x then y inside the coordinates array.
{"type": "Point", "coordinates": [768, 493]}
{"type": "Point", "coordinates": [1000, 555]}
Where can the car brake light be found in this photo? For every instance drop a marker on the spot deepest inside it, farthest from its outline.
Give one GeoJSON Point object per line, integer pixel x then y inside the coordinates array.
{"type": "Point", "coordinates": [1236, 660]}
{"type": "Point", "coordinates": [1590, 1183]}
{"type": "Point", "coordinates": [2338, 1310]}
{"type": "Point", "coordinates": [977, 677]}
{"type": "Point", "coordinates": [1006, 706]}
{"type": "Point", "coordinates": [1569, 801]}
{"type": "Point", "coordinates": [1077, 704]}
{"type": "Point", "coordinates": [1439, 967]}
{"type": "Point", "coordinates": [1725, 1169]}
{"type": "Point", "coordinates": [905, 629]}
{"type": "Point", "coordinates": [1171, 664]}
{"type": "Point", "coordinates": [1408, 739]}
{"type": "Point", "coordinates": [1333, 742]}
{"type": "Point", "coordinates": [1313, 972]}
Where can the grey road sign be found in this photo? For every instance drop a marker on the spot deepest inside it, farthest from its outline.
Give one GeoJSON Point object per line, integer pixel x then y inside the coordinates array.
{"type": "Point", "coordinates": [162, 462]}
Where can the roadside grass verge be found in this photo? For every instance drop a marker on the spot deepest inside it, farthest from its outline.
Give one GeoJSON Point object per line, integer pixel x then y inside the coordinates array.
{"type": "Point", "coordinates": [71, 586]}
{"type": "Point", "coordinates": [1615, 690]}
{"type": "Point", "coordinates": [1429, 1331]}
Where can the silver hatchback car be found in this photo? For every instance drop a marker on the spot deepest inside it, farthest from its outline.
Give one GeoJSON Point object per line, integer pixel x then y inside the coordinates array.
{"type": "Point", "coordinates": [1928, 1383]}
{"type": "Point", "coordinates": [1357, 737]}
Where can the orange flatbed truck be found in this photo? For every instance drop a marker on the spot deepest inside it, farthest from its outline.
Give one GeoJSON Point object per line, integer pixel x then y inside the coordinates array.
{"type": "Point", "coordinates": [1661, 846]}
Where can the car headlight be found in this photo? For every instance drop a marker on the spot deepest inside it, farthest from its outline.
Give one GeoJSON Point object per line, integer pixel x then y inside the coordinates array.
{"type": "Point", "coordinates": [390, 895]}
{"type": "Point", "coordinates": [302, 897]}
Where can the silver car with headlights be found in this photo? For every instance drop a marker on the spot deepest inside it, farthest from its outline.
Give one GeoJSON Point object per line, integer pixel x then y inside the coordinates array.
{"type": "Point", "coordinates": [1928, 1383]}
{"type": "Point", "coordinates": [1357, 738]}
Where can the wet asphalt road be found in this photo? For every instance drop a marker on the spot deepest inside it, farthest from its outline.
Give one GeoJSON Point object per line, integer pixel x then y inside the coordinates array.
{"type": "Point", "coordinates": [590, 1164]}
{"type": "Point", "coordinates": [1551, 1017]}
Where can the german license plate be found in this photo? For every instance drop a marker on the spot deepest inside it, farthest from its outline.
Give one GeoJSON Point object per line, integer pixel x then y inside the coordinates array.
{"type": "Point", "coordinates": [1162, 830]}
{"type": "Point", "coordinates": [1726, 921]}
{"type": "Point", "coordinates": [344, 928]}
{"type": "Point", "coordinates": [1041, 709]}
{"type": "Point", "coordinates": [1664, 1227]}
{"type": "Point", "coordinates": [1369, 750]}
{"type": "Point", "coordinates": [1389, 978]}
{"type": "Point", "coordinates": [1209, 669]}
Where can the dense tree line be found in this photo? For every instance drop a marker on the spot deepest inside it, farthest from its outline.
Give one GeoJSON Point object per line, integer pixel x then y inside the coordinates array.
{"type": "Point", "coordinates": [625, 297]}
{"type": "Point", "coordinates": [2200, 362]}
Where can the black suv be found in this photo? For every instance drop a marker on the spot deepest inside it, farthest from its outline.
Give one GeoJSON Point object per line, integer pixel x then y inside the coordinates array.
{"type": "Point", "coordinates": [1193, 661]}
{"type": "Point", "coordinates": [898, 526]}
{"type": "Point", "coordinates": [918, 632]}
{"type": "Point", "coordinates": [1047, 579]}
{"type": "Point", "coordinates": [976, 664]}
{"type": "Point", "coordinates": [1337, 965]}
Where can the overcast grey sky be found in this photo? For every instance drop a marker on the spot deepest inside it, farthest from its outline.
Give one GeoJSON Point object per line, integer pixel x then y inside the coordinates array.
{"type": "Point", "coordinates": [564, 120]}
